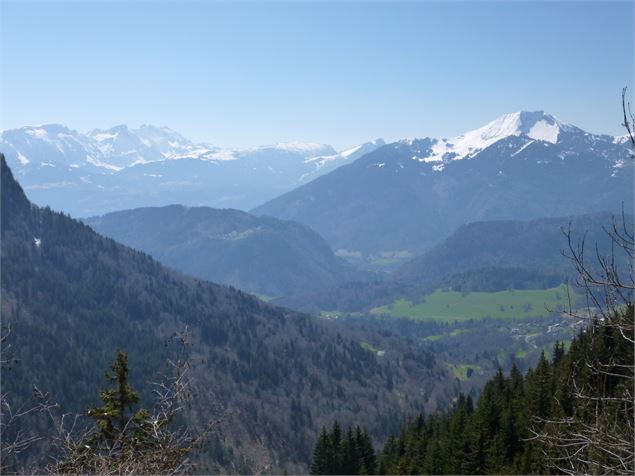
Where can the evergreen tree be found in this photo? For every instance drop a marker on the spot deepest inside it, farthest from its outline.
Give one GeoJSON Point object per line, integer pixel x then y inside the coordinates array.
{"type": "Point", "coordinates": [365, 452]}
{"type": "Point", "coordinates": [322, 454]}
{"type": "Point", "coordinates": [112, 418]}
{"type": "Point", "coordinates": [348, 452]}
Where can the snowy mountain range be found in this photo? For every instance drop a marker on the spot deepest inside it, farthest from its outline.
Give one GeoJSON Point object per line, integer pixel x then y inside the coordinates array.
{"type": "Point", "coordinates": [104, 170]}
{"type": "Point", "coordinates": [404, 197]}
{"type": "Point", "coordinates": [510, 168]}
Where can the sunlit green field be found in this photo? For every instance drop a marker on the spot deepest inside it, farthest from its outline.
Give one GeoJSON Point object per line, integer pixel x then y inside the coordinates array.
{"type": "Point", "coordinates": [462, 371]}
{"type": "Point", "coordinates": [450, 306]}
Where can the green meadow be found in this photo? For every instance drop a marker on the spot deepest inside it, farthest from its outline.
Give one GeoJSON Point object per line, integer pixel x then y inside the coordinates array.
{"type": "Point", "coordinates": [368, 346]}
{"type": "Point", "coordinates": [451, 306]}
{"type": "Point", "coordinates": [462, 371]}
{"type": "Point", "coordinates": [454, 333]}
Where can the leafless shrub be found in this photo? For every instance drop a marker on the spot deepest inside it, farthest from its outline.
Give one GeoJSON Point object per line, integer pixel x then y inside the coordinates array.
{"type": "Point", "coordinates": [600, 438]}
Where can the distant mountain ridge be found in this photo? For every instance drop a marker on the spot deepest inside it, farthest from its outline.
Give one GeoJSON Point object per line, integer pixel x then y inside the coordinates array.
{"type": "Point", "coordinates": [120, 168]}
{"type": "Point", "coordinates": [261, 255]}
{"type": "Point", "coordinates": [409, 195]}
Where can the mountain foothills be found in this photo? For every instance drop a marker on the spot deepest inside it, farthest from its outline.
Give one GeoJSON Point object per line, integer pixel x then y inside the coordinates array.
{"type": "Point", "coordinates": [485, 256]}
{"type": "Point", "coordinates": [272, 377]}
{"type": "Point", "coordinates": [120, 168]}
{"type": "Point", "coordinates": [262, 255]}
{"type": "Point", "coordinates": [404, 197]}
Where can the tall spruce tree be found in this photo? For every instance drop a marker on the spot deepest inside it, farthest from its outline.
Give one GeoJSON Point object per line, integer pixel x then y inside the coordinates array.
{"type": "Point", "coordinates": [114, 419]}
{"type": "Point", "coordinates": [322, 454]}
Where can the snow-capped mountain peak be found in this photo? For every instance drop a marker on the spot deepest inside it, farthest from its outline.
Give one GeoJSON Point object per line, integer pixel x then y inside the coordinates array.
{"type": "Point", "coordinates": [536, 125]}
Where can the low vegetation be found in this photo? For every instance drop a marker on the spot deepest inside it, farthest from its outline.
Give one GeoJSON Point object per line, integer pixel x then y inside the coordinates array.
{"type": "Point", "coordinates": [451, 306]}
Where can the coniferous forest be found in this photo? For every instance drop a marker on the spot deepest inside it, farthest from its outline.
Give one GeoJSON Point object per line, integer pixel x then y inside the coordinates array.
{"type": "Point", "coordinates": [571, 414]}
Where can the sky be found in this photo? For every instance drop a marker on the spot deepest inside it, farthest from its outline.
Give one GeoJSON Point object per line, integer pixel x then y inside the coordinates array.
{"type": "Point", "coordinates": [242, 74]}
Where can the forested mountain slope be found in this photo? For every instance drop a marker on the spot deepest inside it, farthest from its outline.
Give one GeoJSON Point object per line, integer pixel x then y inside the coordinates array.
{"type": "Point", "coordinates": [72, 298]}
{"type": "Point", "coordinates": [263, 255]}
{"type": "Point", "coordinates": [537, 245]}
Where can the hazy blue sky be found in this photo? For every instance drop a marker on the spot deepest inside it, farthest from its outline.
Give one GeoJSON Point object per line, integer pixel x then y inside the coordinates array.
{"type": "Point", "coordinates": [243, 74]}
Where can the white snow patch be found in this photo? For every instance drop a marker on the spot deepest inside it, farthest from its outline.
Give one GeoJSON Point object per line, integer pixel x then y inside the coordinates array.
{"type": "Point", "coordinates": [218, 155]}
{"type": "Point", "coordinates": [22, 159]}
{"type": "Point", "coordinates": [140, 161]}
{"type": "Point", "coordinates": [544, 131]}
{"type": "Point", "coordinates": [38, 133]}
{"type": "Point", "coordinates": [351, 151]}
{"type": "Point", "coordinates": [523, 148]}
{"type": "Point", "coordinates": [322, 160]}
{"type": "Point", "coordinates": [94, 161]}
{"type": "Point", "coordinates": [298, 146]}
{"type": "Point", "coordinates": [105, 136]}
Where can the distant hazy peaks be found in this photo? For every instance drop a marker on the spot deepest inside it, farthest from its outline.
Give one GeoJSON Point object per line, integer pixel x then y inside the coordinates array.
{"type": "Point", "coordinates": [296, 146]}
{"type": "Point", "coordinates": [43, 131]}
{"type": "Point", "coordinates": [332, 159]}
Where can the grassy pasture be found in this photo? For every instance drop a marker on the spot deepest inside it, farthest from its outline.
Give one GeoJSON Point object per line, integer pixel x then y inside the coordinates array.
{"type": "Point", "coordinates": [451, 306]}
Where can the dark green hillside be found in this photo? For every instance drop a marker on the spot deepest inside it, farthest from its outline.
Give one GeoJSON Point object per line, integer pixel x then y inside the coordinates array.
{"type": "Point", "coordinates": [534, 245]}
{"type": "Point", "coordinates": [72, 298]}
{"type": "Point", "coordinates": [571, 414]}
{"type": "Point", "coordinates": [256, 254]}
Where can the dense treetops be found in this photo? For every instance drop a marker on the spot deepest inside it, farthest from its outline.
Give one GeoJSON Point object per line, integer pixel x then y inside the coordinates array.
{"type": "Point", "coordinates": [73, 297]}
{"type": "Point", "coordinates": [521, 424]}
{"type": "Point", "coordinates": [261, 255]}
